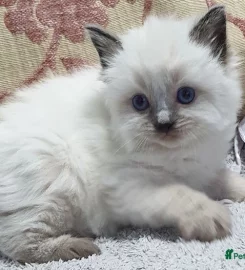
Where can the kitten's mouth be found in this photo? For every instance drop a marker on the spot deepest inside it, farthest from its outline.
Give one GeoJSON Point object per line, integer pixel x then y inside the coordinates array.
{"type": "Point", "coordinates": [172, 133]}
{"type": "Point", "coordinates": [170, 136]}
{"type": "Point", "coordinates": [173, 136]}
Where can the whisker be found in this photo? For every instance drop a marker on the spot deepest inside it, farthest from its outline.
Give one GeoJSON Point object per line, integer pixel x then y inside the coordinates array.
{"type": "Point", "coordinates": [127, 142]}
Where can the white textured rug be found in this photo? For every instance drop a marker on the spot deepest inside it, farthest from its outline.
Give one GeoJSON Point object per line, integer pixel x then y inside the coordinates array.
{"type": "Point", "coordinates": [151, 250]}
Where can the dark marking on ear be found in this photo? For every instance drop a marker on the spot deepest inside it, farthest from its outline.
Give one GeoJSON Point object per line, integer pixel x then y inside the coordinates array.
{"type": "Point", "coordinates": [211, 31]}
{"type": "Point", "coordinates": [106, 44]}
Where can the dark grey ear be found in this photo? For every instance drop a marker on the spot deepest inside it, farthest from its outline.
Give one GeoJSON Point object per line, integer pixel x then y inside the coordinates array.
{"type": "Point", "coordinates": [107, 45]}
{"type": "Point", "coordinates": [211, 31]}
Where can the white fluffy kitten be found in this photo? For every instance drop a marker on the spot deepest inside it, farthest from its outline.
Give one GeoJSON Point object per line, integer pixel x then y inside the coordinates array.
{"type": "Point", "coordinates": [140, 143]}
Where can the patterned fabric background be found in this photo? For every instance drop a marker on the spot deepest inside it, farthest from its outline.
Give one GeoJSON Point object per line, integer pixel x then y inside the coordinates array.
{"type": "Point", "coordinates": [42, 36]}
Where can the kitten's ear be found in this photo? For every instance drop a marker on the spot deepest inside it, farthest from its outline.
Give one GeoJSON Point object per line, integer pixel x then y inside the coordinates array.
{"type": "Point", "coordinates": [211, 31]}
{"type": "Point", "coordinates": [106, 44]}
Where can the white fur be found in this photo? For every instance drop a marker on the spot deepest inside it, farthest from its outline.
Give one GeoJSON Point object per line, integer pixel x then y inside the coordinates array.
{"type": "Point", "coordinates": [74, 156]}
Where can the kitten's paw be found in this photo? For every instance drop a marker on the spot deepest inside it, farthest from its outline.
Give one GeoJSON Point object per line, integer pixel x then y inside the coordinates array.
{"type": "Point", "coordinates": [208, 221]}
{"type": "Point", "coordinates": [63, 248]}
{"type": "Point", "coordinates": [76, 248]}
{"type": "Point", "coordinates": [235, 187]}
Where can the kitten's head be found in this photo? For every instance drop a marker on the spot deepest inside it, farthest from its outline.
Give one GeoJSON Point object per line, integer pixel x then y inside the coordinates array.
{"type": "Point", "coordinates": [170, 82]}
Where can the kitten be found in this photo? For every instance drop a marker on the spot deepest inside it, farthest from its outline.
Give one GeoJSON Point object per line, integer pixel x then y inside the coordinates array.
{"type": "Point", "coordinates": [140, 141]}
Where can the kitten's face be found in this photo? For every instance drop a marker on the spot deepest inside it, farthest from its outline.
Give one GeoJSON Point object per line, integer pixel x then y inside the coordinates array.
{"type": "Point", "coordinates": [170, 83]}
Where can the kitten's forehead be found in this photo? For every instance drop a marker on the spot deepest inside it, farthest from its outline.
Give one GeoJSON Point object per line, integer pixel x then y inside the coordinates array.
{"type": "Point", "coordinates": [158, 41]}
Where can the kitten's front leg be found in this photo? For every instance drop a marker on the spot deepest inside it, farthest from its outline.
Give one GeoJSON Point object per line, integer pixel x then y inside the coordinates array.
{"type": "Point", "coordinates": [193, 213]}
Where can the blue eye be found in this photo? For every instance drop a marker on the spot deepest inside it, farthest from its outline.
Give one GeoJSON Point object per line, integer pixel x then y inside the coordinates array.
{"type": "Point", "coordinates": [140, 102]}
{"type": "Point", "coordinates": [185, 95]}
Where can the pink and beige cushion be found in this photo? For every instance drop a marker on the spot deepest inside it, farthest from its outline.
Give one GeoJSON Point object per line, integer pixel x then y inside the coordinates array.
{"type": "Point", "coordinates": [42, 36]}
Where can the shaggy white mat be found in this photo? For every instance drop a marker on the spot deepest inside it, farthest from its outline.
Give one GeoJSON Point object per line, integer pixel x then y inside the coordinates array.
{"type": "Point", "coordinates": [158, 250]}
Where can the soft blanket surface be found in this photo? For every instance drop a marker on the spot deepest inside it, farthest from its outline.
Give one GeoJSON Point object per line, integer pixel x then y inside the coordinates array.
{"type": "Point", "coordinates": [138, 249]}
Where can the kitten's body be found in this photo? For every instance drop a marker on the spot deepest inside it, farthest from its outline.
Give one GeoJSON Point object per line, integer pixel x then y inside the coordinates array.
{"type": "Point", "coordinates": [71, 162]}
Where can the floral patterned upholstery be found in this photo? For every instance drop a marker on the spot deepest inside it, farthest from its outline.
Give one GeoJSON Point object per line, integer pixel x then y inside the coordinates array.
{"type": "Point", "coordinates": [42, 36]}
